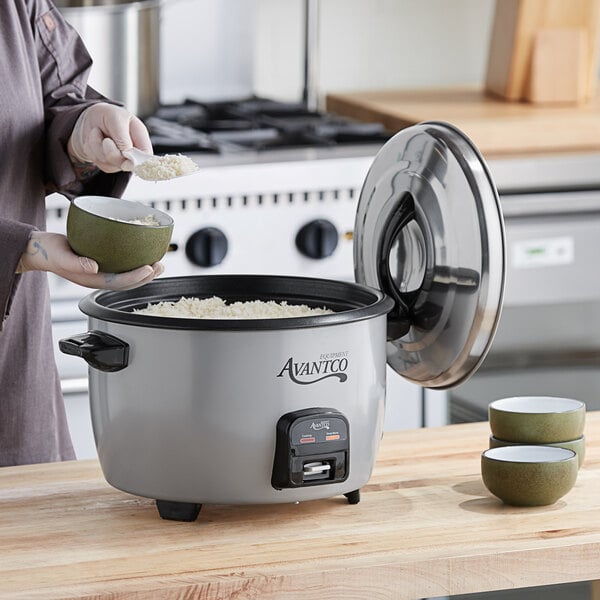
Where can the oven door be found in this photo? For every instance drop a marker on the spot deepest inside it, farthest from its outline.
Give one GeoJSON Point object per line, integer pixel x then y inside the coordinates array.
{"type": "Point", "coordinates": [547, 340]}
{"type": "Point", "coordinates": [578, 379]}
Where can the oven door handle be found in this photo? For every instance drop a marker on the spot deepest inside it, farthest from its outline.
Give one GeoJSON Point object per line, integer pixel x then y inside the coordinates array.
{"type": "Point", "coordinates": [100, 350]}
{"type": "Point", "coordinates": [532, 359]}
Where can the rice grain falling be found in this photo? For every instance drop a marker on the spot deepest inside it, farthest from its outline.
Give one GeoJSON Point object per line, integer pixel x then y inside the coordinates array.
{"type": "Point", "coordinates": [217, 308]}
{"type": "Point", "coordinates": [160, 168]}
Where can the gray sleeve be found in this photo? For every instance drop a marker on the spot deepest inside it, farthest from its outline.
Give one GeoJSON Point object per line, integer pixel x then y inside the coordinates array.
{"type": "Point", "coordinates": [64, 68]}
{"type": "Point", "coordinates": [13, 241]}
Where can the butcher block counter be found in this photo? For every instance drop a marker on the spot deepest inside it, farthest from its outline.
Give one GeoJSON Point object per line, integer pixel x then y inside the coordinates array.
{"type": "Point", "coordinates": [425, 526]}
{"type": "Point", "coordinates": [496, 126]}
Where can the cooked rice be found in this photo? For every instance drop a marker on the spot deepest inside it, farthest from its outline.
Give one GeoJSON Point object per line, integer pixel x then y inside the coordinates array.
{"type": "Point", "coordinates": [217, 308]}
{"type": "Point", "coordinates": [148, 220]}
{"type": "Point", "coordinates": [159, 168]}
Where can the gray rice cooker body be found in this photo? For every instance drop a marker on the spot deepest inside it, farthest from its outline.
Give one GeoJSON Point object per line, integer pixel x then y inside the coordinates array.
{"type": "Point", "coordinates": [193, 411]}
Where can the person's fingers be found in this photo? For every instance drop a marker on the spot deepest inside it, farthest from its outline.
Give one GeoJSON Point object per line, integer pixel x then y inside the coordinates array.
{"type": "Point", "coordinates": [140, 137]}
{"type": "Point", "coordinates": [103, 132]}
{"type": "Point", "coordinates": [112, 159]}
{"type": "Point", "coordinates": [157, 269]}
{"type": "Point", "coordinates": [51, 252]}
{"type": "Point", "coordinates": [70, 263]}
{"type": "Point", "coordinates": [112, 281]}
{"type": "Point", "coordinates": [88, 265]}
{"type": "Point", "coordinates": [115, 125]}
{"type": "Point", "coordinates": [131, 279]}
{"type": "Point", "coordinates": [127, 165]}
{"type": "Point", "coordinates": [92, 146]}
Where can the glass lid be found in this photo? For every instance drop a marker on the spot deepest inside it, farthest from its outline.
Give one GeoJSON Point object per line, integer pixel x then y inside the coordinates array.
{"type": "Point", "coordinates": [429, 233]}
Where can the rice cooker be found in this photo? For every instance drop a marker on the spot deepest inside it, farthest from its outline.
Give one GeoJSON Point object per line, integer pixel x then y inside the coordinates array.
{"type": "Point", "coordinates": [192, 411]}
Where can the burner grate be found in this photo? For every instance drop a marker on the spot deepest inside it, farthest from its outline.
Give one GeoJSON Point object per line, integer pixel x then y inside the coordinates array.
{"type": "Point", "coordinates": [253, 124]}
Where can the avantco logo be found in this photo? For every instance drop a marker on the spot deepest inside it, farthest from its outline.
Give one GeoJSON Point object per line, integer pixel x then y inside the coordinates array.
{"type": "Point", "coordinates": [305, 373]}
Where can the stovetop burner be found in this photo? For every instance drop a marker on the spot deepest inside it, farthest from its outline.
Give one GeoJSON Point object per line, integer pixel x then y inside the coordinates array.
{"type": "Point", "coordinates": [253, 124]}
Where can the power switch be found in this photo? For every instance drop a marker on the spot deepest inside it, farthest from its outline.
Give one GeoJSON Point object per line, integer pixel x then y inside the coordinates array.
{"type": "Point", "coordinates": [312, 448]}
{"type": "Point", "coordinates": [316, 470]}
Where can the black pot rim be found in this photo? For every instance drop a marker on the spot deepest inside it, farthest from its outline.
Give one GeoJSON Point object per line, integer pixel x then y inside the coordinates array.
{"type": "Point", "coordinates": [350, 301]}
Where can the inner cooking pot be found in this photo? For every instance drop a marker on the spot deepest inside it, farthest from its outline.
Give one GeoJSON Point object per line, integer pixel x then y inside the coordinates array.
{"type": "Point", "coordinates": [349, 301]}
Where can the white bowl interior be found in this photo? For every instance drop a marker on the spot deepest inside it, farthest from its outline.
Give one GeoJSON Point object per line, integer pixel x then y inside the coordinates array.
{"type": "Point", "coordinates": [537, 404]}
{"type": "Point", "coordinates": [529, 454]}
{"type": "Point", "coordinates": [120, 209]}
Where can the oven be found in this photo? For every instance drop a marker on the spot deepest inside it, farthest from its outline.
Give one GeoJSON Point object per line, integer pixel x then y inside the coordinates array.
{"type": "Point", "coordinates": [548, 338]}
{"type": "Point", "coordinates": [276, 193]}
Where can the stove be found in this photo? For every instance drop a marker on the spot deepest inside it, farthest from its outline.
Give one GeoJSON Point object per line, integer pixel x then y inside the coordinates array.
{"type": "Point", "coordinates": [276, 191]}
{"type": "Point", "coordinates": [253, 123]}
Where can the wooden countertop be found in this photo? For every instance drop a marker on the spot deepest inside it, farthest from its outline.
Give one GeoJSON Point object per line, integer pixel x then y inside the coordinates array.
{"type": "Point", "coordinates": [425, 526]}
{"type": "Point", "coordinates": [496, 126]}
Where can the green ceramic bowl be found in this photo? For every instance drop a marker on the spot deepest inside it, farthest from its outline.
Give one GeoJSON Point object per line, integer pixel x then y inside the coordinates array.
{"type": "Point", "coordinates": [109, 231]}
{"type": "Point", "coordinates": [578, 446]}
{"type": "Point", "coordinates": [529, 475]}
{"type": "Point", "coordinates": [536, 419]}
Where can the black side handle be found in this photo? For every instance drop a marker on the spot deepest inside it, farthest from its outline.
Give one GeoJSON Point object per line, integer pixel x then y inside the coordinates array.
{"type": "Point", "coordinates": [100, 350]}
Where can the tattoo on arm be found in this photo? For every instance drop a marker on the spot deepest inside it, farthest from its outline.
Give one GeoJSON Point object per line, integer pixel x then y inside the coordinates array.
{"type": "Point", "coordinates": [34, 248]}
{"type": "Point", "coordinates": [37, 249]}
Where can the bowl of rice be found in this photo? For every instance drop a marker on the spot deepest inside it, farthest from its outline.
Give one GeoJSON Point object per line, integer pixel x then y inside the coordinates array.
{"type": "Point", "coordinates": [120, 235]}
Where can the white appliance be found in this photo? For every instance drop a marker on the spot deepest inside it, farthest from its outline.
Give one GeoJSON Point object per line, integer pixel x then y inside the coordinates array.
{"type": "Point", "coordinates": [252, 212]}
{"type": "Point", "coordinates": [256, 192]}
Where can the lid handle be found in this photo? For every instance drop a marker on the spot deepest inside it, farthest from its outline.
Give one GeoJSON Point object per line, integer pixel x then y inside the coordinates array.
{"type": "Point", "coordinates": [399, 319]}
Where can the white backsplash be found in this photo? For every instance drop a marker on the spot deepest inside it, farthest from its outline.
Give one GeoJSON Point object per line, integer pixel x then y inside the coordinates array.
{"type": "Point", "coordinates": [221, 48]}
{"type": "Point", "coordinates": [207, 49]}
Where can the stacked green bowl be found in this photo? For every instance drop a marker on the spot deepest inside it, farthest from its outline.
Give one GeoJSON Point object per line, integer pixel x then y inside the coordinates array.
{"type": "Point", "coordinates": [536, 443]}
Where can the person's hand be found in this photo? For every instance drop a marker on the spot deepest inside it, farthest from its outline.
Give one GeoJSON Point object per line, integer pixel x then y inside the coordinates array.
{"type": "Point", "coordinates": [102, 132]}
{"type": "Point", "coordinates": [51, 252]}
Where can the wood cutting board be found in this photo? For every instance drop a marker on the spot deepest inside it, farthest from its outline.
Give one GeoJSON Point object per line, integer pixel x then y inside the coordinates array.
{"type": "Point", "coordinates": [544, 50]}
{"type": "Point", "coordinates": [495, 126]}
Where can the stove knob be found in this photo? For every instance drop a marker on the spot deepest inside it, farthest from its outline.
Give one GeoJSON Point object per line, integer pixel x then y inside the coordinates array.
{"type": "Point", "coordinates": [207, 247]}
{"type": "Point", "coordinates": [317, 239]}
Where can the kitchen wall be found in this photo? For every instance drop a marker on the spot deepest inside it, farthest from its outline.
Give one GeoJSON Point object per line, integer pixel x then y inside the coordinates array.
{"type": "Point", "coordinates": [207, 49]}
{"type": "Point", "coordinates": [220, 47]}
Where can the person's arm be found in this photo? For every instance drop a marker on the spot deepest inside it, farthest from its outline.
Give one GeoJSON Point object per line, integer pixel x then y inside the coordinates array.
{"type": "Point", "coordinates": [74, 112]}
{"type": "Point", "coordinates": [101, 134]}
{"type": "Point", "coordinates": [14, 237]}
{"type": "Point", "coordinates": [84, 133]}
{"type": "Point", "coordinates": [51, 252]}
{"type": "Point", "coordinates": [23, 248]}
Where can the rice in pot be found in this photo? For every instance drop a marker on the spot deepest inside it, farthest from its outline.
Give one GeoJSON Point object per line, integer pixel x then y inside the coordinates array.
{"type": "Point", "coordinates": [217, 308]}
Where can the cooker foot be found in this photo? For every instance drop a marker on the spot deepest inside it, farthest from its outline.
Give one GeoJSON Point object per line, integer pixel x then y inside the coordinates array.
{"type": "Point", "coordinates": [178, 511]}
{"type": "Point", "coordinates": [353, 497]}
